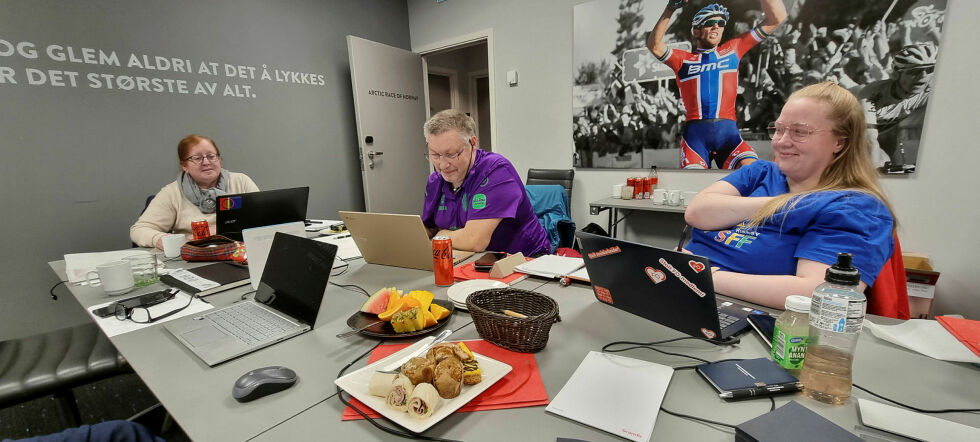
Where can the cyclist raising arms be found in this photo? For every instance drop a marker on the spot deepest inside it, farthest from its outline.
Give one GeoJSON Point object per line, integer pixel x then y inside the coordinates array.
{"type": "Point", "coordinates": [708, 82]}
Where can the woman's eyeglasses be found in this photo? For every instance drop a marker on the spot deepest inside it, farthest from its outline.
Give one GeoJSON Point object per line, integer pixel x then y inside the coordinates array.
{"type": "Point", "coordinates": [199, 159]}
{"type": "Point", "coordinates": [142, 314]}
{"type": "Point", "coordinates": [798, 132]}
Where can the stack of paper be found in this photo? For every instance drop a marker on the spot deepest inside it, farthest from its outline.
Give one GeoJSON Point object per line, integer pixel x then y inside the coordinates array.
{"type": "Point", "coordinates": [551, 266]}
{"type": "Point", "coordinates": [924, 336]}
{"type": "Point", "coordinates": [346, 248]}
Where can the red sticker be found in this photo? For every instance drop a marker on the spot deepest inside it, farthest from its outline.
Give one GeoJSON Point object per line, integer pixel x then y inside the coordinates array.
{"type": "Point", "coordinates": [696, 266]}
{"type": "Point", "coordinates": [605, 252]}
{"type": "Point", "coordinates": [603, 294]}
{"type": "Point", "coordinates": [655, 275]}
{"type": "Point", "coordinates": [708, 333]}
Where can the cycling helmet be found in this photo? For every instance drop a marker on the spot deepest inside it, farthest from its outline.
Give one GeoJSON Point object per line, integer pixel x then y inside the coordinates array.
{"type": "Point", "coordinates": [915, 56]}
{"type": "Point", "coordinates": [712, 10]}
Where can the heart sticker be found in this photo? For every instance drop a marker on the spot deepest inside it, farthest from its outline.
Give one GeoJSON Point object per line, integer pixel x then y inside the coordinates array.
{"type": "Point", "coordinates": [708, 333]}
{"type": "Point", "coordinates": [655, 275]}
{"type": "Point", "coordinates": [696, 266]}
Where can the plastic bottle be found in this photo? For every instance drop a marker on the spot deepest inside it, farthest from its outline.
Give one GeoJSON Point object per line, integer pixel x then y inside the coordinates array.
{"type": "Point", "coordinates": [790, 336]}
{"type": "Point", "coordinates": [836, 316]}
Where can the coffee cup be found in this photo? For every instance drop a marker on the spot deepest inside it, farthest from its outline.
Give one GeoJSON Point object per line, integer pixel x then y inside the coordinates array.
{"type": "Point", "coordinates": [115, 277]}
{"type": "Point", "coordinates": [658, 197]}
{"type": "Point", "coordinates": [617, 190]}
{"type": "Point", "coordinates": [172, 244]}
{"type": "Point", "coordinates": [687, 197]}
{"type": "Point", "coordinates": [144, 267]}
{"type": "Point", "coordinates": [673, 197]}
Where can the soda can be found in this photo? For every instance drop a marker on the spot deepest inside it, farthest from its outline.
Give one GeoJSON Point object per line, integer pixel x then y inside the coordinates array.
{"type": "Point", "coordinates": [442, 260]}
{"type": "Point", "coordinates": [631, 182]}
{"type": "Point", "coordinates": [200, 229]}
{"type": "Point", "coordinates": [648, 187]}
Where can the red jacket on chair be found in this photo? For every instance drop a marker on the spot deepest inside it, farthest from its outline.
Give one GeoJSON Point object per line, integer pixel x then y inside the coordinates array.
{"type": "Point", "coordinates": [889, 296]}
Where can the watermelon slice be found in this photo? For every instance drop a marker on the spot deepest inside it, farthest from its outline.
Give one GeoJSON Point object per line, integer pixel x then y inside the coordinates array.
{"type": "Point", "coordinates": [378, 302]}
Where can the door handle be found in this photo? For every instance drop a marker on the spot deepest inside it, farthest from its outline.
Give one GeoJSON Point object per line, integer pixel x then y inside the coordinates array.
{"type": "Point", "coordinates": [371, 154]}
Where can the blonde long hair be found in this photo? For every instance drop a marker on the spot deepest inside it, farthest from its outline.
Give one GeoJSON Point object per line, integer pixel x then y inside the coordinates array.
{"type": "Point", "coordinates": [851, 168]}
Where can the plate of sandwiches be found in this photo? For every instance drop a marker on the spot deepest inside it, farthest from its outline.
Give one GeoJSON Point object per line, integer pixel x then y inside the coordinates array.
{"type": "Point", "coordinates": [428, 388]}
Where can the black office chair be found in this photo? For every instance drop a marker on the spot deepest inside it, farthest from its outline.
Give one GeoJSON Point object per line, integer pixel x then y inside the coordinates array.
{"type": "Point", "coordinates": [561, 177]}
{"type": "Point", "coordinates": [145, 205]}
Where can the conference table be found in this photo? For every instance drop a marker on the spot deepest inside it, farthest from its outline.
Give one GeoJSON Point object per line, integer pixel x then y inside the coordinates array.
{"type": "Point", "coordinates": [199, 397]}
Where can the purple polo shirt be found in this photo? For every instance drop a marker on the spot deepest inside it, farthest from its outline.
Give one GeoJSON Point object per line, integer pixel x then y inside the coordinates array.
{"type": "Point", "coordinates": [491, 189]}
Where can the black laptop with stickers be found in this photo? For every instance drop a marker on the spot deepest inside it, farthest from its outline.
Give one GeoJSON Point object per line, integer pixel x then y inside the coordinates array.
{"type": "Point", "coordinates": [668, 287]}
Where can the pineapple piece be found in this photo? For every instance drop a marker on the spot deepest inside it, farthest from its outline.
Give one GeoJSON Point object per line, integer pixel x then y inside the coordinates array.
{"type": "Point", "coordinates": [408, 321]}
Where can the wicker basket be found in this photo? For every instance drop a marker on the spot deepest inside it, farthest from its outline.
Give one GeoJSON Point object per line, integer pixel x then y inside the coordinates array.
{"type": "Point", "coordinates": [526, 335]}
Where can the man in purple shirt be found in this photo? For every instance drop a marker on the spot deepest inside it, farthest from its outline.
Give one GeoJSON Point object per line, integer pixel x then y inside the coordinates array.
{"type": "Point", "coordinates": [476, 197]}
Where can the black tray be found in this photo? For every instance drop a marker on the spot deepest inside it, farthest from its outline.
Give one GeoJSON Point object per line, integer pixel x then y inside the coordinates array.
{"type": "Point", "coordinates": [385, 330]}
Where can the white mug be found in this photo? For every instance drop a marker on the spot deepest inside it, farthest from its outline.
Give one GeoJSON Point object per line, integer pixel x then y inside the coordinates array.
{"type": "Point", "coordinates": [172, 244]}
{"type": "Point", "coordinates": [673, 197]}
{"type": "Point", "coordinates": [659, 196]}
{"type": "Point", "coordinates": [617, 191]}
{"type": "Point", "coordinates": [115, 277]}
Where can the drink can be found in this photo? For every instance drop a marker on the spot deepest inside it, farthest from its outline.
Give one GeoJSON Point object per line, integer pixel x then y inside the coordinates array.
{"type": "Point", "coordinates": [631, 182]}
{"type": "Point", "coordinates": [442, 260]}
{"type": "Point", "coordinates": [200, 229]}
{"type": "Point", "coordinates": [648, 187]}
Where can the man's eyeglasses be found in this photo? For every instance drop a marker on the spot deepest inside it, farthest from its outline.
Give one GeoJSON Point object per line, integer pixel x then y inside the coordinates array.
{"type": "Point", "coordinates": [715, 21]}
{"type": "Point", "coordinates": [142, 314]}
{"type": "Point", "coordinates": [199, 159]}
{"type": "Point", "coordinates": [798, 132]}
{"type": "Point", "coordinates": [449, 156]}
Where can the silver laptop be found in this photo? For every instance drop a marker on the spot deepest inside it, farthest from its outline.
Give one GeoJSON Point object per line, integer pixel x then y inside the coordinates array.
{"type": "Point", "coordinates": [287, 303]}
{"type": "Point", "coordinates": [393, 239]}
{"type": "Point", "coordinates": [258, 242]}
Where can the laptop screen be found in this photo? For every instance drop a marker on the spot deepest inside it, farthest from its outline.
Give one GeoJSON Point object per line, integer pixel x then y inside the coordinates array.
{"type": "Point", "coordinates": [256, 209]}
{"type": "Point", "coordinates": [295, 276]}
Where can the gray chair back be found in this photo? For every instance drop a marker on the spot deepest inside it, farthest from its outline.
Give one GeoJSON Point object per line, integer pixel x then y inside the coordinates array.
{"type": "Point", "coordinates": [561, 177]}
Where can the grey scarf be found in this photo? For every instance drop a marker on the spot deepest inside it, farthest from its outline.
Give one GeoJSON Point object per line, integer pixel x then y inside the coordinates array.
{"type": "Point", "coordinates": [206, 199]}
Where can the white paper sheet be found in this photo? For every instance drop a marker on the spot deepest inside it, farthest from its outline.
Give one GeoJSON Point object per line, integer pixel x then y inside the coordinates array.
{"type": "Point", "coordinates": [615, 394]}
{"type": "Point", "coordinates": [346, 248]}
{"type": "Point", "coordinates": [77, 265]}
{"type": "Point", "coordinates": [915, 425]}
{"type": "Point", "coordinates": [925, 336]}
{"type": "Point", "coordinates": [112, 326]}
{"type": "Point", "coordinates": [317, 225]}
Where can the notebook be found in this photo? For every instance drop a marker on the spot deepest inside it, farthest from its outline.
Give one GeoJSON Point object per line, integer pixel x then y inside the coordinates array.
{"type": "Point", "coordinates": [287, 303]}
{"type": "Point", "coordinates": [670, 288]}
{"type": "Point", "coordinates": [258, 242]}
{"type": "Point", "coordinates": [208, 279]}
{"type": "Point", "coordinates": [791, 422]}
{"type": "Point", "coordinates": [746, 378]}
{"type": "Point", "coordinates": [393, 239]}
{"type": "Point", "coordinates": [551, 266]}
{"type": "Point", "coordinates": [256, 209]}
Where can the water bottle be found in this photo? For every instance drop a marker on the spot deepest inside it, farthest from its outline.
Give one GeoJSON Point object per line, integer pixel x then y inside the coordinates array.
{"type": "Point", "coordinates": [791, 333]}
{"type": "Point", "coordinates": [836, 316]}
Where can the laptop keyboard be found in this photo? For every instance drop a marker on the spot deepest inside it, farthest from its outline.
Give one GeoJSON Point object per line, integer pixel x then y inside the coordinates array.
{"type": "Point", "coordinates": [724, 319]}
{"type": "Point", "coordinates": [249, 322]}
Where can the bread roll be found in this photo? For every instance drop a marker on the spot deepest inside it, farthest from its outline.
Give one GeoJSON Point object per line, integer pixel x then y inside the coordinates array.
{"type": "Point", "coordinates": [380, 383]}
{"type": "Point", "coordinates": [448, 378]}
{"type": "Point", "coordinates": [419, 370]}
{"type": "Point", "coordinates": [424, 401]}
{"type": "Point", "coordinates": [445, 350]}
{"type": "Point", "coordinates": [401, 390]}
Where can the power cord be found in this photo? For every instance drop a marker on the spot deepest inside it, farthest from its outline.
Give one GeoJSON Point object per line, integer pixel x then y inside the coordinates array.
{"type": "Point", "coordinates": [342, 271]}
{"type": "Point", "coordinates": [353, 288]}
{"type": "Point", "coordinates": [54, 297]}
{"type": "Point", "coordinates": [920, 410]}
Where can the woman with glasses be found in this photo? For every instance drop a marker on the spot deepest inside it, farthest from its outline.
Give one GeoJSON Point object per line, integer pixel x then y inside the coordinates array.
{"type": "Point", "coordinates": [192, 196]}
{"type": "Point", "coordinates": [773, 228]}
{"type": "Point", "coordinates": [476, 197]}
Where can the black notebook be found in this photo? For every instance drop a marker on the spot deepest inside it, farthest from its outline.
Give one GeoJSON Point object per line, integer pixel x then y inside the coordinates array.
{"type": "Point", "coordinates": [208, 279]}
{"type": "Point", "coordinates": [791, 422]}
{"type": "Point", "coordinates": [740, 379]}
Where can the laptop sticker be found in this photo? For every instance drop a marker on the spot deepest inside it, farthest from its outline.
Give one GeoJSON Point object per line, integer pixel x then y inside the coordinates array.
{"type": "Point", "coordinates": [604, 252]}
{"type": "Point", "coordinates": [603, 294]}
{"type": "Point", "coordinates": [696, 266]}
{"type": "Point", "coordinates": [681, 277]}
{"type": "Point", "coordinates": [230, 203]}
{"type": "Point", "coordinates": [708, 333]}
{"type": "Point", "coordinates": [655, 275]}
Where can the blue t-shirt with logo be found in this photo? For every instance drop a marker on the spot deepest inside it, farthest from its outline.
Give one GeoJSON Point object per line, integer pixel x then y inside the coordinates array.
{"type": "Point", "coordinates": [491, 189]}
{"type": "Point", "coordinates": [817, 227]}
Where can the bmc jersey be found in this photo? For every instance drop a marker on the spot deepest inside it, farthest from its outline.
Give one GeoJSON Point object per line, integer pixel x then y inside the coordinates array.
{"type": "Point", "coordinates": [817, 227]}
{"type": "Point", "coordinates": [708, 79]}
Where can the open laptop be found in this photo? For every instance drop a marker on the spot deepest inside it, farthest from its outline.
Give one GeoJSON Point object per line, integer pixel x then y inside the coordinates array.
{"type": "Point", "coordinates": [241, 211]}
{"type": "Point", "coordinates": [664, 286]}
{"type": "Point", "coordinates": [258, 243]}
{"type": "Point", "coordinates": [286, 304]}
{"type": "Point", "coordinates": [393, 239]}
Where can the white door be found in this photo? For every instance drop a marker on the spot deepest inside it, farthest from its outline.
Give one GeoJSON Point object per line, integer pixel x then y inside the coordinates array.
{"type": "Point", "coordinates": [389, 108]}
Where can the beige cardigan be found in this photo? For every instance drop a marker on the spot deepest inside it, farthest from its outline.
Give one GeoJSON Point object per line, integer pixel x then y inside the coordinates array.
{"type": "Point", "coordinates": [171, 212]}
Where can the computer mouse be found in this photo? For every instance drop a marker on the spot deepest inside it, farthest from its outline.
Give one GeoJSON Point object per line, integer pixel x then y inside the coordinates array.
{"type": "Point", "coordinates": [263, 382]}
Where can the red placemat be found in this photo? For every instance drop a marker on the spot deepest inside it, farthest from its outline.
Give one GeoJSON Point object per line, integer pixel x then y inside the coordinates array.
{"type": "Point", "coordinates": [468, 271]}
{"type": "Point", "coordinates": [966, 330]}
{"type": "Point", "coordinates": [522, 387]}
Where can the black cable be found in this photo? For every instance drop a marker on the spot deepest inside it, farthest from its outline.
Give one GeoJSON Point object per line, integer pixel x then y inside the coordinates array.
{"type": "Point", "coordinates": [352, 287]}
{"type": "Point", "coordinates": [54, 297]}
{"type": "Point", "coordinates": [687, 416]}
{"type": "Point", "coordinates": [649, 346]}
{"type": "Point", "coordinates": [244, 295]}
{"type": "Point", "coordinates": [342, 271]}
{"type": "Point", "coordinates": [371, 420]}
{"type": "Point", "coordinates": [920, 410]}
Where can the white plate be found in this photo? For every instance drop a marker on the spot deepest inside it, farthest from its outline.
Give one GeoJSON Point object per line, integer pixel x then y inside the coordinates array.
{"type": "Point", "coordinates": [459, 291]}
{"type": "Point", "coordinates": [356, 383]}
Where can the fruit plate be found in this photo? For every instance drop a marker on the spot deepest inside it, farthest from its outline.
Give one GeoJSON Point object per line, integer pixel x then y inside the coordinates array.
{"type": "Point", "coordinates": [385, 330]}
{"type": "Point", "coordinates": [356, 383]}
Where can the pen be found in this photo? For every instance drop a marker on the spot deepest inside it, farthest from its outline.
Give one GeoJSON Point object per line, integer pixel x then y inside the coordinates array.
{"type": "Point", "coordinates": [680, 244]}
{"type": "Point", "coordinates": [764, 390]}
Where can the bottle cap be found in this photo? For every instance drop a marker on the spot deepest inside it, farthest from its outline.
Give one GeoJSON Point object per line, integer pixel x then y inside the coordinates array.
{"type": "Point", "coordinates": [798, 303]}
{"type": "Point", "coordinates": [843, 272]}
